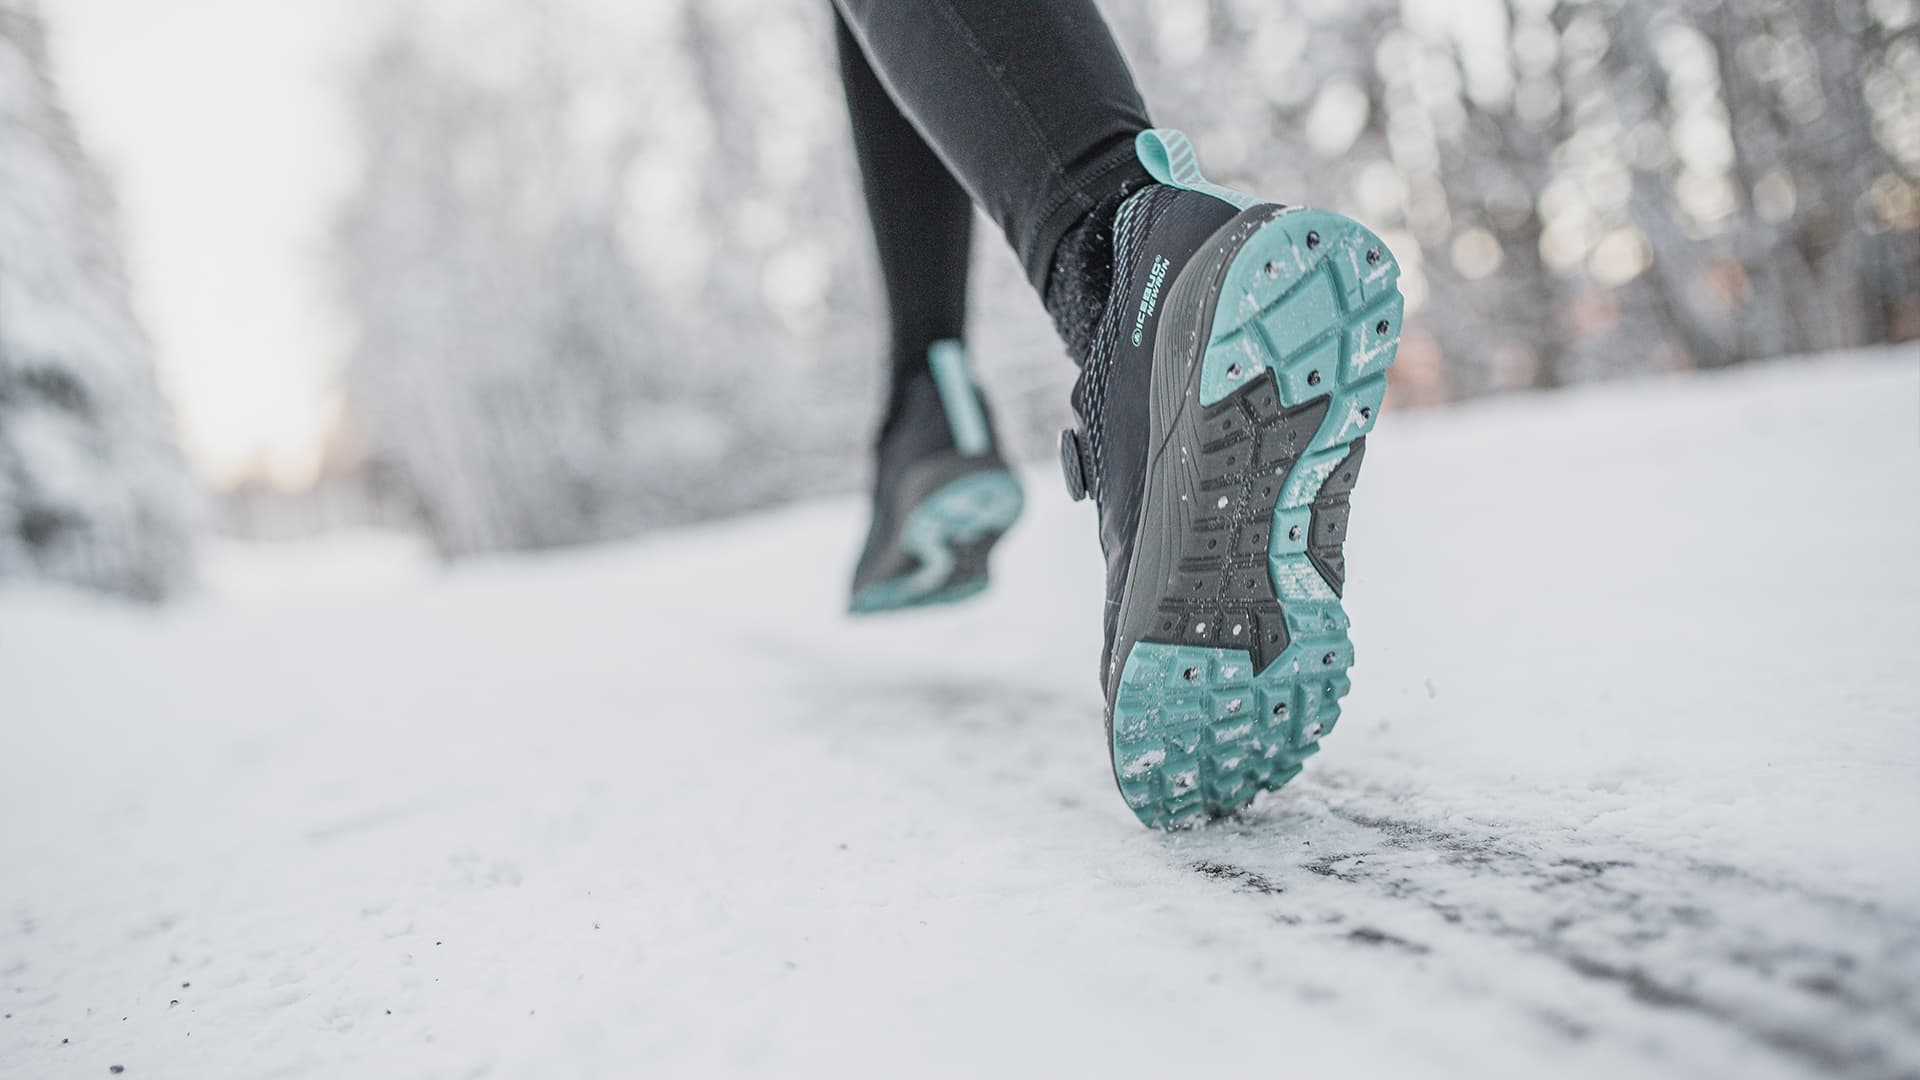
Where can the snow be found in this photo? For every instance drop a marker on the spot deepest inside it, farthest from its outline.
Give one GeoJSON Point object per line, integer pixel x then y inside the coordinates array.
{"type": "Point", "coordinates": [1626, 786]}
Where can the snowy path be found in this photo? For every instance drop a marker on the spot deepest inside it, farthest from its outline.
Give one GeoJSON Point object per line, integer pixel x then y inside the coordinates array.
{"type": "Point", "coordinates": [1629, 784]}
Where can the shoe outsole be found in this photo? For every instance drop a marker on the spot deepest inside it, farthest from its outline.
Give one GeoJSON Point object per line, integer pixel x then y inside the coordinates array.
{"type": "Point", "coordinates": [1243, 670]}
{"type": "Point", "coordinates": [949, 536]}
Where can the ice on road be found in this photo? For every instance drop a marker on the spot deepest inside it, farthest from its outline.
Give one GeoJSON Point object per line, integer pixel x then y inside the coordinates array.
{"type": "Point", "coordinates": [1629, 784]}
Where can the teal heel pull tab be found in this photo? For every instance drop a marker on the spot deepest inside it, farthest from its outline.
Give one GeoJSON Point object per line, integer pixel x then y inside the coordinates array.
{"type": "Point", "coordinates": [1170, 159]}
{"type": "Point", "coordinates": [948, 359]}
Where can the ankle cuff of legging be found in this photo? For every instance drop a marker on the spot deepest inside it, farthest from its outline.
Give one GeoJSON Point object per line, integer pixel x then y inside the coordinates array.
{"type": "Point", "coordinates": [1113, 172]}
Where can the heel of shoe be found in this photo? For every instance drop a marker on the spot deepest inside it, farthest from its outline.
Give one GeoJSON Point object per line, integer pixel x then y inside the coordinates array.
{"type": "Point", "coordinates": [949, 536]}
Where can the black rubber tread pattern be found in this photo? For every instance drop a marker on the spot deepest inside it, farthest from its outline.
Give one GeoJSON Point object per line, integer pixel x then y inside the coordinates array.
{"type": "Point", "coordinates": [1329, 528]}
{"type": "Point", "coordinates": [1221, 592]}
{"type": "Point", "coordinates": [970, 560]}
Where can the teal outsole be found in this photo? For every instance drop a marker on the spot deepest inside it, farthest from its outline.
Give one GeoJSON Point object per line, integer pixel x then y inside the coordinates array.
{"type": "Point", "coordinates": [1197, 732]}
{"type": "Point", "coordinates": [971, 511]}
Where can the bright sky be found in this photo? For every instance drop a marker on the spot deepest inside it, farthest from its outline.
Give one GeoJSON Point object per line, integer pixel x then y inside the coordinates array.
{"type": "Point", "coordinates": [221, 123]}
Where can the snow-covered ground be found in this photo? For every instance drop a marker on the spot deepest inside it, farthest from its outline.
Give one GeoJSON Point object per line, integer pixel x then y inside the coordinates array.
{"type": "Point", "coordinates": [1629, 784]}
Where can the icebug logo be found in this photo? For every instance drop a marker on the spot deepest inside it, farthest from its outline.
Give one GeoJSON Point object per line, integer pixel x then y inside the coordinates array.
{"type": "Point", "coordinates": [1151, 298]}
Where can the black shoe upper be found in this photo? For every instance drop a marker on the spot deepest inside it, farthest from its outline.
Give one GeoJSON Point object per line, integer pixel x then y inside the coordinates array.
{"type": "Point", "coordinates": [1155, 235]}
{"type": "Point", "coordinates": [914, 455]}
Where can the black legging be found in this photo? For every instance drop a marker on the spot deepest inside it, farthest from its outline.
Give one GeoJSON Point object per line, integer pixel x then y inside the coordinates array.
{"type": "Point", "coordinates": [1028, 104]}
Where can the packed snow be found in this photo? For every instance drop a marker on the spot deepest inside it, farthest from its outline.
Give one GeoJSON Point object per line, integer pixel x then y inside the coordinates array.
{"type": "Point", "coordinates": [1627, 785]}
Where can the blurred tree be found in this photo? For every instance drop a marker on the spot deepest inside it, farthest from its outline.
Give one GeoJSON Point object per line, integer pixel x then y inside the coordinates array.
{"type": "Point", "coordinates": [1756, 157]}
{"type": "Point", "coordinates": [93, 488]}
{"type": "Point", "coordinates": [610, 269]}
{"type": "Point", "coordinates": [510, 368]}
{"type": "Point", "coordinates": [1500, 127]}
{"type": "Point", "coordinates": [578, 318]}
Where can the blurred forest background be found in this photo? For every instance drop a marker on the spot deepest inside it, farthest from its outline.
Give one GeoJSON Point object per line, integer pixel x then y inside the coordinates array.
{"type": "Point", "coordinates": [607, 270]}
